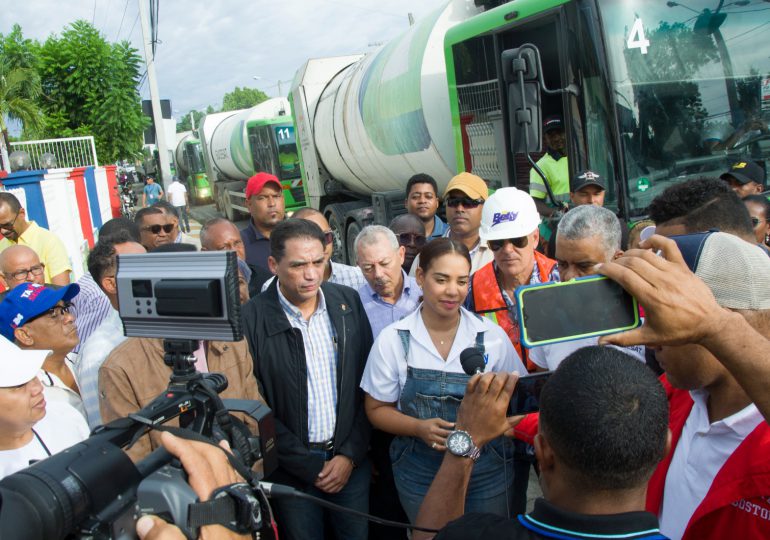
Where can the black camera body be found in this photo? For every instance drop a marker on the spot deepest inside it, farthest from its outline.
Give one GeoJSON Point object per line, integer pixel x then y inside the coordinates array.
{"type": "Point", "coordinates": [93, 489]}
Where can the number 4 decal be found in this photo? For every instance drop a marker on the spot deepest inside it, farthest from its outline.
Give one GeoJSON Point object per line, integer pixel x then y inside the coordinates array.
{"type": "Point", "coordinates": [636, 39]}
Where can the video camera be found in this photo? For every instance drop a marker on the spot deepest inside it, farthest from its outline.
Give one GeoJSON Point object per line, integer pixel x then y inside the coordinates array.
{"type": "Point", "coordinates": [93, 489]}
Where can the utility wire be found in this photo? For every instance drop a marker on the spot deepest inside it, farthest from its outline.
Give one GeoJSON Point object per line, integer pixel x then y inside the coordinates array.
{"type": "Point", "coordinates": [93, 17]}
{"type": "Point", "coordinates": [132, 27]}
{"type": "Point", "coordinates": [121, 21]}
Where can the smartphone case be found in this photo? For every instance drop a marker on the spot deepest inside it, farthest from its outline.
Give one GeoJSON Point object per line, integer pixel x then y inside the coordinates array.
{"type": "Point", "coordinates": [520, 300]}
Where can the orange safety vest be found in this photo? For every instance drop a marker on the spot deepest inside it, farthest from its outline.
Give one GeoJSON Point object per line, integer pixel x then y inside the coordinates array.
{"type": "Point", "coordinates": [488, 301]}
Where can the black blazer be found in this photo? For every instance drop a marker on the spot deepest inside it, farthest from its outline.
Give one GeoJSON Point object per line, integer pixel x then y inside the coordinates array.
{"type": "Point", "coordinates": [281, 371]}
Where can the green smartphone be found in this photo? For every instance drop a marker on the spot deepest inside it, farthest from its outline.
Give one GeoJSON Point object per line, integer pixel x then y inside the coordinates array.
{"type": "Point", "coordinates": [584, 307]}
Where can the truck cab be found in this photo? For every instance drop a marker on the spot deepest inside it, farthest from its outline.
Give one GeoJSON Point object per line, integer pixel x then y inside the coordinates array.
{"type": "Point", "coordinates": [652, 93]}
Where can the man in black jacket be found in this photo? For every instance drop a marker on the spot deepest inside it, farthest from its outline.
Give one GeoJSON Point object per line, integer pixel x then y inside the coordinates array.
{"type": "Point", "coordinates": [310, 341]}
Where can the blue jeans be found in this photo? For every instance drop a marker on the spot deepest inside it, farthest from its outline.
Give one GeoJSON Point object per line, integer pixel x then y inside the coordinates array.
{"type": "Point", "coordinates": [183, 218]}
{"type": "Point", "coordinates": [300, 519]}
{"type": "Point", "coordinates": [434, 394]}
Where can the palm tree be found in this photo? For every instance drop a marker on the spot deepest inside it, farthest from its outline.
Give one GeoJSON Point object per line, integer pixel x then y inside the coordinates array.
{"type": "Point", "coordinates": [19, 90]}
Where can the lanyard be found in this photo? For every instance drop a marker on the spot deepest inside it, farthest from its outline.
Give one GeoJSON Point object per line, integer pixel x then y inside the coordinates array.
{"type": "Point", "coordinates": [47, 451]}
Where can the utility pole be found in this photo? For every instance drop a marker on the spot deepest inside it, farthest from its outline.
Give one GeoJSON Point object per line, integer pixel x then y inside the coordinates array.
{"type": "Point", "coordinates": [157, 115]}
{"type": "Point", "coordinates": [192, 120]}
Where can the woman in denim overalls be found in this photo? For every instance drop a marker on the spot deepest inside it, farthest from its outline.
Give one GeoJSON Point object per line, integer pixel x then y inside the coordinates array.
{"type": "Point", "coordinates": [414, 383]}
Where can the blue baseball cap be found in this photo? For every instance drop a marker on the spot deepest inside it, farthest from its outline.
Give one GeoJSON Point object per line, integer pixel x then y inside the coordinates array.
{"type": "Point", "coordinates": [28, 300]}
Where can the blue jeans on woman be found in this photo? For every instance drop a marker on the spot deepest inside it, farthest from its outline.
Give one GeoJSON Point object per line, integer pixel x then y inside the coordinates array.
{"type": "Point", "coordinates": [435, 394]}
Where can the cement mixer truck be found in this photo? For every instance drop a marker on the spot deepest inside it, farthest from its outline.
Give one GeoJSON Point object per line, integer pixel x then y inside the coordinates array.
{"type": "Point", "coordinates": [650, 95]}
{"type": "Point", "coordinates": [190, 168]}
{"type": "Point", "coordinates": [237, 144]}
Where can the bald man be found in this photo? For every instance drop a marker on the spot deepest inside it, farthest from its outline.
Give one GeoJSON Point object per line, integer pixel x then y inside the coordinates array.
{"type": "Point", "coordinates": [410, 231]}
{"type": "Point", "coordinates": [20, 264]}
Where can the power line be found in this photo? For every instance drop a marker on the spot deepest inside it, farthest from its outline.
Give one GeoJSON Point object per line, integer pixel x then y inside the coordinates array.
{"type": "Point", "coordinates": [93, 17]}
{"type": "Point", "coordinates": [121, 21]}
{"type": "Point", "coordinates": [132, 28]}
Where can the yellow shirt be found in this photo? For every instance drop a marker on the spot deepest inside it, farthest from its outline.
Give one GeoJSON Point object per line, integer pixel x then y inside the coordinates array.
{"type": "Point", "coordinates": [48, 247]}
{"type": "Point", "coordinates": [557, 173]}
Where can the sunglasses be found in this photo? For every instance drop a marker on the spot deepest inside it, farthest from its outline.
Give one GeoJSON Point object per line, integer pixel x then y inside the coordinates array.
{"type": "Point", "coordinates": [411, 239]}
{"type": "Point", "coordinates": [9, 226]}
{"type": "Point", "coordinates": [155, 229]}
{"type": "Point", "coordinates": [328, 237]}
{"type": "Point", "coordinates": [467, 202]}
{"type": "Point", "coordinates": [497, 245]}
{"type": "Point", "coordinates": [54, 313]}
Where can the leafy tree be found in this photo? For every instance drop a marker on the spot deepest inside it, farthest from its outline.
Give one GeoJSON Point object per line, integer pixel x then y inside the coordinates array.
{"type": "Point", "coordinates": [210, 110]}
{"type": "Point", "coordinates": [90, 88]}
{"type": "Point", "coordinates": [184, 123]}
{"type": "Point", "coordinates": [19, 89]}
{"type": "Point", "coordinates": [242, 98]}
{"type": "Point", "coordinates": [18, 52]}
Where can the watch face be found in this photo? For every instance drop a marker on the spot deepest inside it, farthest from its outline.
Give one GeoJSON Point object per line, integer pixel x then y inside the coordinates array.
{"type": "Point", "coordinates": [459, 443]}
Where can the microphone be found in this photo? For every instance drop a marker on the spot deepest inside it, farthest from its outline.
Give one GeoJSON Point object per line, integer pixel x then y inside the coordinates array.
{"type": "Point", "coordinates": [472, 361]}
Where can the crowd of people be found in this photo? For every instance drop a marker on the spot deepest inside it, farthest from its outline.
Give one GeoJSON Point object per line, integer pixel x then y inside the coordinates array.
{"type": "Point", "coordinates": [660, 432]}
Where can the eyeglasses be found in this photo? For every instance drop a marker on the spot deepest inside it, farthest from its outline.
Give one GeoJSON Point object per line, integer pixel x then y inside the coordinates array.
{"type": "Point", "coordinates": [411, 239]}
{"type": "Point", "coordinates": [54, 313]}
{"type": "Point", "coordinates": [756, 221]}
{"type": "Point", "coordinates": [328, 237]}
{"type": "Point", "coordinates": [497, 245]}
{"type": "Point", "coordinates": [22, 273]}
{"type": "Point", "coordinates": [155, 229]}
{"type": "Point", "coordinates": [467, 202]}
{"type": "Point", "coordinates": [9, 226]}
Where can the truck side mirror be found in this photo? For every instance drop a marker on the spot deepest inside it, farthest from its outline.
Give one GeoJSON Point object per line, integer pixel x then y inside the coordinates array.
{"type": "Point", "coordinates": [522, 78]}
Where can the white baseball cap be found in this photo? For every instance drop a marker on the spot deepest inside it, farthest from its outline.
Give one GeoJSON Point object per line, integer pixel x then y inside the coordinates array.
{"type": "Point", "coordinates": [508, 213]}
{"type": "Point", "coordinates": [18, 366]}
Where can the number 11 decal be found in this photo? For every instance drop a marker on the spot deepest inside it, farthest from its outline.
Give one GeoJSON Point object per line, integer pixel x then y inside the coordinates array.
{"type": "Point", "coordinates": [636, 39]}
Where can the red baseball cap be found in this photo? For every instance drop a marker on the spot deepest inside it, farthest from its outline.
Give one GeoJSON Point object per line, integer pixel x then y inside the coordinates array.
{"type": "Point", "coordinates": [258, 181]}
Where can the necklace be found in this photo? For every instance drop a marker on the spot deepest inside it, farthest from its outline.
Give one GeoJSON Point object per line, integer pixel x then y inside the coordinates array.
{"type": "Point", "coordinates": [451, 332]}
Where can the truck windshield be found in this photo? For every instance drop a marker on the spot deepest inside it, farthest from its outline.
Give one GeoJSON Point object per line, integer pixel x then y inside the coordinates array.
{"type": "Point", "coordinates": [691, 86]}
{"type": "Point", "coordinates": [287, 151]}
{"type": "Point", "coordinates": [196, 158]}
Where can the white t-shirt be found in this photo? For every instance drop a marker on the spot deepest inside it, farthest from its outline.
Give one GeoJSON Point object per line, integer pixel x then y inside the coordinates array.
{"type": "Point", "coordinates": [54, 388]}
{"type": "Point", "coordinates": [385, 373]}
{"type": "Point", "coordinates": [61, 427]}
{"type": "Point", "coordinates": [550, 356]}
{"type": "Point", "coordinates": [700, 454]}
{"type": "Point", "coordinates": [177, 191]}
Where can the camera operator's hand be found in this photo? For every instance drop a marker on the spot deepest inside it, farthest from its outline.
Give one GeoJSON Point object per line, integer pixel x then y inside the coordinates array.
{"type": "Point", "coordinates": [207, 469]}
{"type": "Point", "coordinates": [335, 474]}
{"type": "Point", "coordinates": [483, 410]}
{"type": "Point", "coordinates": [679, 307]}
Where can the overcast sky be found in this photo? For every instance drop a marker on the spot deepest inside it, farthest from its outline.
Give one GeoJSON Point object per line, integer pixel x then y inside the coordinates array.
{"type": "Point", "coordinates": [208, 47]}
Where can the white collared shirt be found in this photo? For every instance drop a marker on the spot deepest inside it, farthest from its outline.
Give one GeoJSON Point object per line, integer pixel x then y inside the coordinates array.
{"type": "Point", "coordinates": [702, 450]}
{"type": "Point", "coordinates": [385, 373]}
{"type": "Point", "coordinates": [550, 356]}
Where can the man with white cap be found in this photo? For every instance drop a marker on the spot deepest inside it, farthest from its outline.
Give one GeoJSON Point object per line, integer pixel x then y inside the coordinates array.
{"type": "Point", "coordinates": [509, 226]}
{"type": "Point", "coordinates": [31, 429]}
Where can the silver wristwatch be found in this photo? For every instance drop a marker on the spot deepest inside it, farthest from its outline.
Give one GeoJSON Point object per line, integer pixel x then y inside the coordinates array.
{"type": "Point", "coordinates": [461, 444]}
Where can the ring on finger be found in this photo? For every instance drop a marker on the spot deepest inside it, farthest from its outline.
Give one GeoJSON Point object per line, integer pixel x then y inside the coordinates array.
{"type": "Point", "coordinates": [433, 445]}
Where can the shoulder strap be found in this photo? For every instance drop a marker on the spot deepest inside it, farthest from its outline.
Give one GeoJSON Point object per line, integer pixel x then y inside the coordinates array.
{"type": "Point", "coordinates": [404, 336]}
{"type": "Point", "coordinates": [480, 342]}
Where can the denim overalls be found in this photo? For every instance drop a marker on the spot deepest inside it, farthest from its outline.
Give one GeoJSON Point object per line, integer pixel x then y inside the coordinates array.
{"type": "Point", "coordinates": [429, 393]}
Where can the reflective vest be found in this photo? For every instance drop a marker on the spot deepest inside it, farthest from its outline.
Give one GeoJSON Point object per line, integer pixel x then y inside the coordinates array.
{"type": "Point", "coordinates": [488, 300]}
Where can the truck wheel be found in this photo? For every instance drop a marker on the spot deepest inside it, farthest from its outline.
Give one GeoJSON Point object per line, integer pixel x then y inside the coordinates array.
{"type": "Point", "coordinates": [353, 229]}
{"type": "Point", "coordinates": [337, 226]}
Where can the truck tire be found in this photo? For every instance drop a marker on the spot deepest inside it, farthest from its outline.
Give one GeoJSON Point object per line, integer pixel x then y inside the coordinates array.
{"type": "Point", "coordinates": [353, 229]}
{"type": "Point", "coordinates": [337, 224]}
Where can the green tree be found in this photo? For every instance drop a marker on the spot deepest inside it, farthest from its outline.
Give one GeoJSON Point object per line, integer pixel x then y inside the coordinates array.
{"type": "Point", "coordinates": [242, 98]}
{"type": "Point", "coordinates": [19, 89]}
{"type": "Point", "coordinates": [184, 123]}
{"type": "Point", "coordinates": [90, 88]}
{"type": "Point", "coordinates": [17, 51]}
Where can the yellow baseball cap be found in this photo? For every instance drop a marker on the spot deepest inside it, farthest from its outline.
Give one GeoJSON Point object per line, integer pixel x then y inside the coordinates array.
{"type": "Point", "coordinates": [470, 184]}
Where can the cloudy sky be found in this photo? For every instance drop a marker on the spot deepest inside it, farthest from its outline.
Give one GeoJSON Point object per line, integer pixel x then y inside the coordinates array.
{"type": "Point", "coordinates": [208, 47]}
